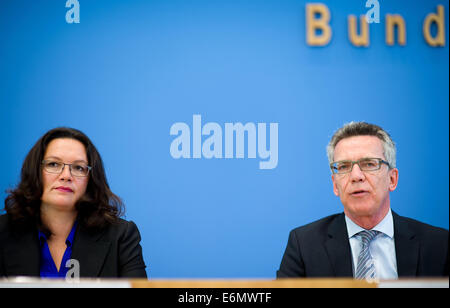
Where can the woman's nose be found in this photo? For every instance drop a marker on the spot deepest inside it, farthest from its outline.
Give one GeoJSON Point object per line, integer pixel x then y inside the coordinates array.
{"type": "Point", "coordinates": [66, 173]}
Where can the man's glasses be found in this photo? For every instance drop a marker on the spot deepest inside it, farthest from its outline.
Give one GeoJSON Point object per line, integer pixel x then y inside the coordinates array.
{"type": "Point", "coordinates": [365, 164]}
{"type": "Point", "coordinates": [79, 169]}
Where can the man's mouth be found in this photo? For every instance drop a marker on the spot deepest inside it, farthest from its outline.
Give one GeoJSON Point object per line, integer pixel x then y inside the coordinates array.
{"type": "Point", "coordinates": [359, 193]}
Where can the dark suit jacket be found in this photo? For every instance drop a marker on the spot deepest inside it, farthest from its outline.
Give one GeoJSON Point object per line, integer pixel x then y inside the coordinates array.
{"type": "Point", "coordinates": [113, 252]}
{"type": "Point", "coordinates": [322, 249]}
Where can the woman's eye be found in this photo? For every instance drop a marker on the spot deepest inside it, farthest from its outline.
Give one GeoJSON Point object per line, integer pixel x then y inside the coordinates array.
{"type": "Point", "coordinates": [79, 167]}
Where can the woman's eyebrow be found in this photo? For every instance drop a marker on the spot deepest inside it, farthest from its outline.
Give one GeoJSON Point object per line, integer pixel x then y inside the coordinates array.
{"type": "Point", "coordinates": [55, 157]}
{"type": "Point", "coordinates": [59, 159]}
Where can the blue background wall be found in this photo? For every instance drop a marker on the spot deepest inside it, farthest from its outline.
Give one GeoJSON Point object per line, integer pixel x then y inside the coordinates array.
{"type": "Point", "coordinates": [130, 69]}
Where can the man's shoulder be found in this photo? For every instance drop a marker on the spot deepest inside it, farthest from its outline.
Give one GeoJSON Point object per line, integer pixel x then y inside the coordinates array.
{"type": "Point", "coordinates": [319, 227]}
{"type": "Point", "coordinates": [420, 228]}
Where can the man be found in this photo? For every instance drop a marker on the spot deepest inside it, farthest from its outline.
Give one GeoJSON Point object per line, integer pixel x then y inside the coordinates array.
{"type": "Point", "coordinates": [368, 240]}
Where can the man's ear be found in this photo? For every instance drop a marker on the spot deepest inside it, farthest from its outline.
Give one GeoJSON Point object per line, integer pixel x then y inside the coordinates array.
{"type": "Point", "coordinates": [335, 188]}
{"type": "Point", "coordinates": [393, 179]}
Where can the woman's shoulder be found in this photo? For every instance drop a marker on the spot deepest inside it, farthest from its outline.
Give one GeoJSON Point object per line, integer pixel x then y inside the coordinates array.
{"type": "Point", "coordinates": [123, 224]}
{"type": "Point", "coordinates": [121, 228]}
{"type": "Point", "coordinates": [9, 230]}
{"type": "Point", "coordinates": [4, 222]}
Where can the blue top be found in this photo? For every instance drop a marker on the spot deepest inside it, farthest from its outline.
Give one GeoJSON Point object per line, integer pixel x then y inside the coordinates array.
{"type": "Point", "coordinates": [48, 267]}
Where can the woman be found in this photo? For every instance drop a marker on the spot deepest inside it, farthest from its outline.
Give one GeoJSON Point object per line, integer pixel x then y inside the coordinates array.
{"type": "Point", "coordinates": [63, 219]}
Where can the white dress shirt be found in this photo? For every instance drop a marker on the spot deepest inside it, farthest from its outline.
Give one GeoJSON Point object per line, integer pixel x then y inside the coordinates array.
{"type": "Point", "coordinates": [382, 247]}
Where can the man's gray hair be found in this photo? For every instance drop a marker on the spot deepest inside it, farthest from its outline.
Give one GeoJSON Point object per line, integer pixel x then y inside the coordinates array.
{"type": "Point", "coordinates": [353, 129]}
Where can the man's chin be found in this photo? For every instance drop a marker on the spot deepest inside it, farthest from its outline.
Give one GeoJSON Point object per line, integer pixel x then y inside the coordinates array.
{"type": "Point", "coordinates": [362, 209]}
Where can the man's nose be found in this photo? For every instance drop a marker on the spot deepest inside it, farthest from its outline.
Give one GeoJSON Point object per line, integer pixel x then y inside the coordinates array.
{"type": "Point", "coordinates": [357, 174]}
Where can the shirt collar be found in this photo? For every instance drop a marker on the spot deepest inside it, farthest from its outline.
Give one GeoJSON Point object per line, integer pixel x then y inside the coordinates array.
{"type": "Point", "coordinates": [42, 237]}
{"type": "Point", "coordinates": [69, 239]}
{"type": "Point", "coordinates": [385, 226]}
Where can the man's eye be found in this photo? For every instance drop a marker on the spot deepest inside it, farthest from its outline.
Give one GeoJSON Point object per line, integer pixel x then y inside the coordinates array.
{"type": "Point", "coordinates": [343, 166]}
{"type": "Point", "coordinates": [369, 164]}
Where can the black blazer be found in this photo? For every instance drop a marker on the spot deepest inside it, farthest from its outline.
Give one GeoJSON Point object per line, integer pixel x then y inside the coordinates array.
{"type": "Point", "coordinates": [113, 252]}
{"type": "Point", "coordinates": [322, 249]}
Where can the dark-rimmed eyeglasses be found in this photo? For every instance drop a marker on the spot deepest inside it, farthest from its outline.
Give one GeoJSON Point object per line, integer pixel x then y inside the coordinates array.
{"type": "Point", "coordinates": [78, 169]}
{"type": "Point", "coordinates": [365, 164]}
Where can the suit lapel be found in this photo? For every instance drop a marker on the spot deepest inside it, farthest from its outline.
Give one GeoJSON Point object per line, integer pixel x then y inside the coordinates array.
{"type": "Point", "coordinates": [406, 247]}
{"type": "Point", "coordinates": [90, 251]}
{"type": "Point", "coordinates": [22, 255]}
{"type": "Point", "coordinates": [338, 248]}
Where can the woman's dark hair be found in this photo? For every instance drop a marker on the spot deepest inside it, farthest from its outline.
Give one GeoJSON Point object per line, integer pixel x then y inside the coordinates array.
{"type": "Point", "coordinates": [98, 207]}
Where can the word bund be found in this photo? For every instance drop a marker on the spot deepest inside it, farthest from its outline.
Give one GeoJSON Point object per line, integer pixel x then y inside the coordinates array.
{"type": "Point", "coordinates": [319, 30]}
{"type": "Point", "coordinates": [234, 142]}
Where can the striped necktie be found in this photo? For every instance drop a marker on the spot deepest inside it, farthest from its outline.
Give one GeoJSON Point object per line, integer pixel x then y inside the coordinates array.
{"type": "Point", "coordinates": [366, 268]}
